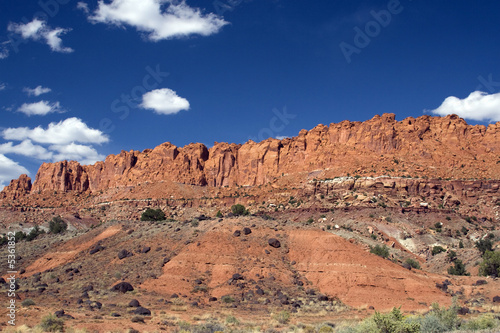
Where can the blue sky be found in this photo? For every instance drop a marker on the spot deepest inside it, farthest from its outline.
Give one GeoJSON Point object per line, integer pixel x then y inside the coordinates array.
{"type": "Point", "coordinates": [84, 79]}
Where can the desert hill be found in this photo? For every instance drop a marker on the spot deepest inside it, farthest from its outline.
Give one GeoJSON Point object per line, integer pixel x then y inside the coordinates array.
{"type": "Point", "coordinates": [317, 204]}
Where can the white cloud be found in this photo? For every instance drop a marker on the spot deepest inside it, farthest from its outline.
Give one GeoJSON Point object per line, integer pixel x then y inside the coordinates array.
{"type": "Point", "coordinates": [39, 30]}
{"type": "Point", "coordinates": [2, 86]}
{"type": "Point", "coordinates": [64, 132]}
{"type": "Point", "coordinates": [478, 106]}
{"type": "Point", "coordinates": [4, 52]}
{"type": "Point", "coordinates": [281, 137]}
{"type": "Point", "coordinates": [177, 20]}
{"type": "Point", "coordinates": [83, 6]}
{"type": "Point", "coordinates": [81, 153]}
{"type": "Point", "coordinates": [37, 91]}
{"type": "Point", "coordinates": [9, 170]}
{"type": "Point", "coordinates": [26, 148]}
{"type": "Point", "coordinates": [41, 108]}
{"type": "Point", "coordinates": [164, 101]}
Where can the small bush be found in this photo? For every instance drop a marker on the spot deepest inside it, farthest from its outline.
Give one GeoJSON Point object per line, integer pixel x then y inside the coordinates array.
{"type": "Point", "coordinates": [395, 322]}
{"type": "Point", "coordinates": [34, 233]}
{"type": "Point", "coordinates": [382, 251]}
{"type": "Point", "coordinates": [448, 317]}
{"type": "Point", "coordinates": [452, 255]}
{"type": "Point", "coordinates": [458, 268]}
{"type": "Point", "coordinates": [19, 235]}
{"type": "Point", "coordinates": [151, 214]}
{"type": "Point", "coordinates": [282, 317]}
{"type": "Point", "coordinates": [484, 322]}
{"type": "Point", "coordinates": [27, 302]}
{"type": "Point", "coordinates": [51, 323]}
{"type": "Point", "coordinates": [219, 214]}
{"type": "Point", "coordinates": [231, 320]}
{"type": "Point", "coordinates": [57, 225]}
{"type": "Point", "coordinates": [437, 249]}
{"type": "Point", "coordinates": [239, 210]}
{"type": "Point", "coordinates": [227, 299]}
{"type": "Point", "coordinates": [491, 264]}
{"type": "Point", "coordinates": [413, 263]}
{"type": "Point", "coordinates": [484, 245]}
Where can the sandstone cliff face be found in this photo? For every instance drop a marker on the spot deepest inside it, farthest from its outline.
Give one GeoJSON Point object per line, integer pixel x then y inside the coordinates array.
{"type": "Point", "coordinates": [444, 147]}
{"type": "Point", "coordinates": [17, 188]}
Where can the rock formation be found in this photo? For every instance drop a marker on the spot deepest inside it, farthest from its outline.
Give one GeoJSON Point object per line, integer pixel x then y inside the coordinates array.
{"type": "Point", "coordinates": [445, 147]}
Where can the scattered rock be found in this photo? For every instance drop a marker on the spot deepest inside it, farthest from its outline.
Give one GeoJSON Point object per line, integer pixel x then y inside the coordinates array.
{"type": "Point", "coordinates": [273, 242]}
{"type": "Point", "coordinates": [124, 254]}
{"type": "Point", "coordinates": [122, 287]}
{"type": "Point", "coordinates": [247, 231]}
{"type": "Point", "coordinates": [237, 233]}
{"type": "Point", "coordinates": [496, 299]}
{"type": "Point", "coordinates": [142, 311]}
{"type": "Point", "coordinates": [96, 248]}
{"type": "Point", "coordinates": [480, 283]}
{"type": "Point", "coordinates": [134, 303]}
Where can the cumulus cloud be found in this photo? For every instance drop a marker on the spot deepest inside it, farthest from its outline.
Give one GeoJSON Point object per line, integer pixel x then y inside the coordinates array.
{"type": "Point", "coordinates": [64, 132]}
{"type": "Point", "coordinates": [38, 30]}
{"type": "Point", "coordinates": [479, 106]}
{"type": "Point", "coordinates": [9, 170]}
{"type": "Point", "coordinates": [164, 101]}
{"type": "Point", "coordinates": [26, 148]}
{"type": "Point", "coordinates": [81, 153]}
{"type": "Point", "coordinates": [149, 16]}
{"type": "Point", "coordinates": [41, 108]}
{"type": "Point", "coordinates": [37, 91]}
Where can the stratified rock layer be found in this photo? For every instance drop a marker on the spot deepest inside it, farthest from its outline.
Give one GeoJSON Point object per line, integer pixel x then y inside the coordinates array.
{"type": "Point", "coordinates": [445, 147]}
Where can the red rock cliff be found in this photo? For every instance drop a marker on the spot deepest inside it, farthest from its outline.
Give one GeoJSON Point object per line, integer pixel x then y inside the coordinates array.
{"type": "Point", "coordinates": [444, 147]}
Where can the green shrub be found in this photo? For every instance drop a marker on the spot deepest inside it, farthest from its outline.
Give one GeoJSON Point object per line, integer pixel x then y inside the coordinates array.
{"type": "Point", "coordinates": [484, 245]}
{"type": "Point", "coordinates": [437, 249]}
{"type": "Point", "coordinates": [282, 317]}
{"type": "Point", "coordinates": [452, 255]}
{"type": "Point", "coordinates": [227, 299]}
{"type": "Point", "coordinates": [151, 214]}
{"type": "Point", "coordinates": [27, 302]}
{"type": "Point", "coordinates": [484, 322]}
{"type": "Point", "coordinates": [413, 263]}
{"type": "Point", "coordinates": [461, 245]}
{"type": "Point", "coordinates": [239, 210]}
{"type": "Point", "coordinates": [382, 251]}
{"type": "Point", "coordinates": [219, 214]}
{"type": "Point", "coordinates": [431, 324]}
{"type": "Point", "coordinates": [447, 317]}
{"type": "Point", "coordinates": [51, 323]}
{"type": "Point", "coordinates": [395, 322]}
{"type": "Point", "coordinates": [19, 235]}
{"type": "Point", "coordinates": [34, 233]}
{"type": "Point", "coordinates": [231, 320]}
{"type": "Point", "coordinates": [57, 225]}
{"type": "Point", "coordinates": [491, 264]}
{"type": "Point", "coordinates": [458, 268]}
